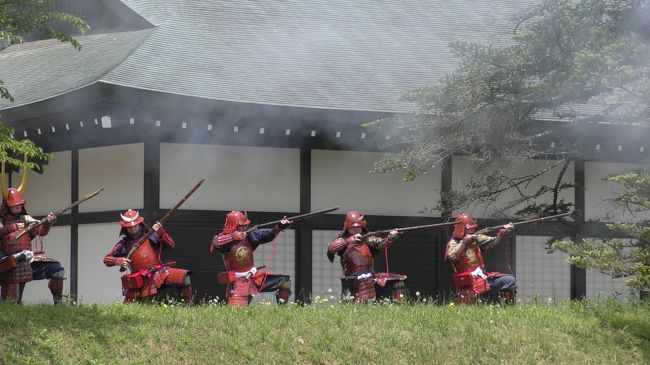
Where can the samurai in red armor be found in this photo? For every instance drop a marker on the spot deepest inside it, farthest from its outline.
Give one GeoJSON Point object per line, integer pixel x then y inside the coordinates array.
{"type": "Point", "coordinates": [148, 273]}
{"type": "Point", "coordinates": [236, 245]}
{"type": "Point", "coordinates": [357, 252]}
{"type": "Point", "coordinates": [18, 264]}
{"type": "Point", "coordinates": [470, 278]}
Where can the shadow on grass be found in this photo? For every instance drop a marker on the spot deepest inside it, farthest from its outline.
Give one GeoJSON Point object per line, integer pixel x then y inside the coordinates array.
{"type": "Point", "coordinates": [33, 334]}
{"type": "Point", "coordinates": [629, 320]}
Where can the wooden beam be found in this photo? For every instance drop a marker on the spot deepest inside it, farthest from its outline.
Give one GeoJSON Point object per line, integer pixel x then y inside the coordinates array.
{"type": "Point", "coordinates": [151, 186]}
{"type": "Point", "coordinates": [74, 225]}
{"type": "Point", "coordinates": [304, 239]}
{"type": "Point", "coordinates": [444, 270]}
{"type": "Point", "coordinates": [578, 276]}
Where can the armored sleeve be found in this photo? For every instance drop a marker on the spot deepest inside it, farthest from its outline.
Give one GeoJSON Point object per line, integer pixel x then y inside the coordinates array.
{"type": "Point", "coordinates": [163, 238]}
{"type": "Point", "coordinates": [41, 230]}
{"type": "Point", "coordinates": [376, 242]}
{"type": "Point", "coordinates": [263, 235]}
{"type": "Point", "coordinates": [488, 242]}
{"type": "Point", "coordinates": [455, 249]}
{"type": "Point", "coordinates": [6, 229]}
{"type": "Point", "coordinates": [115, 256]}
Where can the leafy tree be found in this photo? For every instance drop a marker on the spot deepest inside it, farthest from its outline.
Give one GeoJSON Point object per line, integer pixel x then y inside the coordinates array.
{"type": "Point", "coordinates": [17, 18]}
{"type": "Point", "coordinates": [616, 257]}
{"type": "Point", "coordinates": [492, 109]}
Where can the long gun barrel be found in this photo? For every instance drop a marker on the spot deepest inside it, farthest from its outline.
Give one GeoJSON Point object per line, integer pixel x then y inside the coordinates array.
{"type": "Point", "coordinates": [293, 219]}
{"type": "Point", "coordinates": [162, 221]}
{"type": "Point", "coordinates": [406, 229]}
{"type": "Point", "coordinates": [488, 229]}
{"type": "Point", "coordinates": [33, 226]}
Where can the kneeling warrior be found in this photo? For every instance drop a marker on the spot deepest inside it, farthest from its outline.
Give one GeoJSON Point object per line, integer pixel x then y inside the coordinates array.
{"type": "Point", "coordinates": [464, 252]}
{"type": "Point", "coordinates": [24, 265]}
{"type": "Point", "coordinates": [357, 251]}
{"type": "Point", "coordinates": [236, 244]}
{"type": "Point", "coordinates": [148, 273]}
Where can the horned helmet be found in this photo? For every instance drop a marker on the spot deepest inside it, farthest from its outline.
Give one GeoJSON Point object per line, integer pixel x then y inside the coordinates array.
{"type": "Point", "coordinates": [465, 222]}
{"type": "Point", "coordinates": [354, 218]}
{"type": "Point", "coordinates": [131, 218]}
{"type": "Point", "coordinates": [235, 219]}
{"type": "Point", "coordinates": [13, 196]}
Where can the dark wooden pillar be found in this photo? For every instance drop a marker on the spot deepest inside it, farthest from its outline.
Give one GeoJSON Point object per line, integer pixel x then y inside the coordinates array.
{"type": "Point", "coordinates": [304, 239]}
{"type": "Point", "coordinates": [578, 275]}
{"type": "Point", "coordinates": [74, 224]}
{"type": "Point", "coordinates": [444, 270]}
{"type": "Point", "coordinates": [151, 195]}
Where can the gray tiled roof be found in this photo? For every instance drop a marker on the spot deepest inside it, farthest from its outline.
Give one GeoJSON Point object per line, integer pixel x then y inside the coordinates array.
{"type": "Point", "coordinates": [155, 12]}
{"type": "Point", "coordinates": [334, 54]}
{"type": "Point", "coordinates": [338, 54]}
{"type": "Point", "coordinates": [39, 70]}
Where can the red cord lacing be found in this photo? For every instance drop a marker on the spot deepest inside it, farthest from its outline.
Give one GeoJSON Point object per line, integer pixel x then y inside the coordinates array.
{"type": "Point", "coordinates": [508, 257]}
{"type": "Point", "coordinates": [386, 256]}
{"type": "Point", "coordinates": [39, 242]}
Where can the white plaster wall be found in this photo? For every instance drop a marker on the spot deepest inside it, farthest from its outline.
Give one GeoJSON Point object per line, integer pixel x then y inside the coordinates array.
{"type": "Point", "coordinates": [51, 190]}
{"type": "Point", "coordinates": [98, 283]}
{"type": "Point", "coordinates": [599, 194]}
{"type": "Point", "coordinates": [326, 275]}
{"type": "Point", "coordinates": [56, 246]}
{"type": "Point", "coordinates": [601, 285]}
{"type": "Point", "coordinates": [463, 171]}
{"type": "Point", "coordinates": [540, 275]}
{"type": "Point", "coordinates": [241, 178]}
{"type": "Point", "coordinates": [119, 169]}
{"type": "Point", "coordinates": [343, 178]}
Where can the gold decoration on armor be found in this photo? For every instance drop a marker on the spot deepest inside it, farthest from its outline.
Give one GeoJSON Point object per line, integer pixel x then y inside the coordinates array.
{"type": "Point", "coordinates": [472, 258]}
{"type": "Point", "coordinates": [242, 254]}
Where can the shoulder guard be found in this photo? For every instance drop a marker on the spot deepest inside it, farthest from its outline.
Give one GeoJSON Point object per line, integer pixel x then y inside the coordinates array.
{"type": "Point", "coordinates": [336, 245]}
{"type": "Point", "coordinates": [222, 239]}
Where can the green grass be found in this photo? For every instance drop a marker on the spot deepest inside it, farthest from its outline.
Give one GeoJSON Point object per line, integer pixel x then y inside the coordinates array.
{"type": "Point", "coordinates": [604, 332]}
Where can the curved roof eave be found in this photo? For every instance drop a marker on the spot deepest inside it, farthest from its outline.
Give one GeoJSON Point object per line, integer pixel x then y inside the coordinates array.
{"type": "Point", "coordinates": [40, 70]}
{"type": "Point", "coordinates": [296, 105]}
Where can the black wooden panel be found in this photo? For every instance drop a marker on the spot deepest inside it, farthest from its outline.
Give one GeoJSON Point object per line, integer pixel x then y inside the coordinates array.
{"type": "Point", "coordinates": [192, 244]}
{"type": "Point", "coordinates": [414, 255]}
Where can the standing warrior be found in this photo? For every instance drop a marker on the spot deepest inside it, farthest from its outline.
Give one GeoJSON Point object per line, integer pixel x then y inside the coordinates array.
{"type": "Point", "coordinates": [357, 251]}
{"type": "Point", "coordinates": [148, 273]}
{"type": "Point", "coordinates": [464, 252]}
{"type": "Point", "coordinates": [14, 219]}
{"type": "Point", "coordinates": [236, 244]}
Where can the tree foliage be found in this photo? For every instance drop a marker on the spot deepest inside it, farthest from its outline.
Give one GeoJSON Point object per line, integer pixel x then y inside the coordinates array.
{"type": "Point", "coordinates": [17, 18]}
{"type": "Point", "coordinates": [616, 257]}
{"type": "Point", "coordinates": [12, 150]}
{"type": "Point", "coordinates": [563, 55]}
